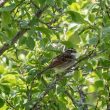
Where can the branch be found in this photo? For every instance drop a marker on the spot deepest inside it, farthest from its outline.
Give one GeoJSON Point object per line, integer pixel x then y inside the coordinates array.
{"type": "Point", "coordinates": [83, 98]}
{"type": "Point", "coordinates": [107, 11]}
{"type": "Point", "coordinates": [40, 11]}
{"type": "Point", "coordinates": [46, 91]}
{"type": "Point", "coordinates": [20, 33]}
{"type": "Point", "coordinates": [108, 100]}
{"type": "Point", "coordinates": [50, 87]}
{"type": "Point", "coordinates": [75, 103]}
{"type": "Point", "coordinates": [58, 79]}
{"type": "Point", "coordinates": [6, 46]}
{"type": "Point", "coordinates": [12, 106]}
{"type": "Point", "coordinates": [97, 102]}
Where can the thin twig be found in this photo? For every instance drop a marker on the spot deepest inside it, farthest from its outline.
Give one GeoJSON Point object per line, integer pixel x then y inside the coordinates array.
{"type": "Point", "coordinates": [46, 91]}
{"type": "Point", "coordinates": [108, 100]}
{"type": "Point", "coordinates": [6, 46]}
{"type": "Point", "coordinates": [20, 33]}
{"type": "Point", "coordinates": [83, 98]}
{"type": "Point", "coordinates": [10, 104]}
{"type": "Point", "coordinates": [75, 103]}
{"type": "Point", "coordinates": [107, 11]}
{"type": "Point", "coordinates": [53, 84]}
{"type": "Point", "coordinates": [97, 104]}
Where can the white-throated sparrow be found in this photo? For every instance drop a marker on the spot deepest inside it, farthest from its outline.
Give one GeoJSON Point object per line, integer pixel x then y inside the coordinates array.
{"type": "Point", "coordinates": [62, 62]}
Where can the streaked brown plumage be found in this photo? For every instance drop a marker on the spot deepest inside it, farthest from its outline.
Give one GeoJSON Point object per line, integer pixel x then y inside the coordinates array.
{"type": "Point", "coordinates": [62, 62]}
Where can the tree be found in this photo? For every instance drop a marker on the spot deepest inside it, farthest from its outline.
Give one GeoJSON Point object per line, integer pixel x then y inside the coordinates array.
{"type": "Point", "coordinates": [35, 31]}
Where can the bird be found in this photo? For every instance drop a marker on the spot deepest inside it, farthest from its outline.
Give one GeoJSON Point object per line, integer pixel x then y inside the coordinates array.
{"type": "Point", "coordinates": [62, 62]}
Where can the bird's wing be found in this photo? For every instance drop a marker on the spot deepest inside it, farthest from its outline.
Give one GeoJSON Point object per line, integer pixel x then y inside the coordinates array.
{"type": "Point", "coordinates": [59, 60]}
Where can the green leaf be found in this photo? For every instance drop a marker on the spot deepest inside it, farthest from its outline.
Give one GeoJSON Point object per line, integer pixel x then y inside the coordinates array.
{"type": "Point", "coordinates": [41, 2]}
{"type": "Point", "coordinates": [2, 69]}
{"type": "Point", "coordinates": [46, 31]}
{"type": "Point", "coordinates": [93, 40]}
{"type": "Point", "coordinates": [68, 44]}
{"type": "Point", "coordinates": [99, 83]}
{"type": "Point", "coordinates": [8, 8]}
{"type": "Point", "coordinates": [6, 19]}
{"type": "Point", "coordinates": [106, 29]}
{"type": "Point", "coordinates": [70, 1]}
{"type": "Point", "coordinates": [76, 17]}
{"type": "Point", "coordinates": [77, 76]}
{"type": "Point", "coordinates": [30, 43]}
{"type": "Point", "coordinates": [10, 33]}
{"type": "Point", "coordinates": [2, 102]}
{"type": "Point", "coordinates": [22, 41]}
{"type": "Point", "coordinates": [62, 105]}
{"type": "Point", "coordinates": [22, 78]}
{"type": "Point", "coordinates": [2, 36]}
{"type": "Point", "coordinates": [32, 71]}
{"type": "Point", "coordinates": [104, 62]}
{"type": "Point", "coordinates": [103, 92]}
{"type": "Point", "coordinates": [99, 73]}
{"type": "Point", "coordinates": [88, 67]}
{"type": "Point", "coordinates": [60, 90]}
{"type": "Point", "coordinates": [29, 79]}
{"type": "Point", "coordinates": [73, 38]}
{"type": "Point", "coordinates": [59, 2]}
{"type": "Point", "coordinates": [50, 2]}
{"type": "Point", "coordinates": [92, 17]}
{"type": "Point", "coordinates": [9, 78]}
{"type": "Point", "coordinates": [74, 7]}
{"type": "Point", "coordinates": [91, 88]}
{"type": "Point", "coordinates": [106, 76]}
{"type": "Point", "coordinates": [36, 2]}
{"type": "Point", "coordinates": [5, 88]}
{"type": "Point", "coordinates": [24, 24]}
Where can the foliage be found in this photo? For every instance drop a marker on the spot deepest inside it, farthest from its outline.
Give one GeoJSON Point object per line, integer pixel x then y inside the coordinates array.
{"type": "Point", "coordinates": [35, 31]}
